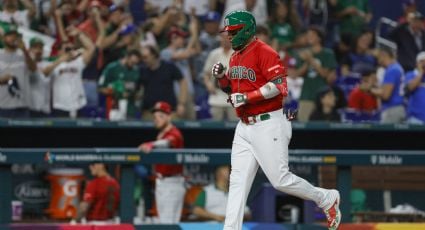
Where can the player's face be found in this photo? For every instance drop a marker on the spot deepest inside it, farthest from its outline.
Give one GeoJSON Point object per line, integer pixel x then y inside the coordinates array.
{"type": "Point", "coordinates": [93, 169]}
{"type": "Point", "coordinates": [160, 119]}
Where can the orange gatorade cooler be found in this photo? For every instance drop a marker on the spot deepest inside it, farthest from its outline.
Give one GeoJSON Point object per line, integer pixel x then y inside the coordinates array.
{"type": "Point", "coordinates": [65, 187]}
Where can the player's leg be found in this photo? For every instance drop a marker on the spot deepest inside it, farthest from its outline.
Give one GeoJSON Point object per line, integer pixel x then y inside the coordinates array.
{"type": "Point", "coordinates": [169, 195]}
{"type": "Point", "coordinates": [243, 170]}
{"type": "Point", "coordinates": [270, 141]}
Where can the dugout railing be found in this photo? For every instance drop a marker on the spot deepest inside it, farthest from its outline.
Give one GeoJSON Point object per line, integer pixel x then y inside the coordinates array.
{"type": "Point", "coordinates": [127, 157]}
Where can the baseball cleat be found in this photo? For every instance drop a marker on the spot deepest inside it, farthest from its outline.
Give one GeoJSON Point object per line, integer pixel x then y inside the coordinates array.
{"type": "Point", "coordinates": [333, 214]}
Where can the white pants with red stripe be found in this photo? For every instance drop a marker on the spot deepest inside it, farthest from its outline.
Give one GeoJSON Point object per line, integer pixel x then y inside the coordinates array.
{"type": "Point", "coordinates": [265, 144]}
{"type": "Point", "coordinates": [169, 196]}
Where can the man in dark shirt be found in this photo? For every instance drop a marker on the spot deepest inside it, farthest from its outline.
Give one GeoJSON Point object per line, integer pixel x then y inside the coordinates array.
{"type": "Point", "coordinates": [410, 40]}
{"type": "Point", "coordinates": [157, 78]}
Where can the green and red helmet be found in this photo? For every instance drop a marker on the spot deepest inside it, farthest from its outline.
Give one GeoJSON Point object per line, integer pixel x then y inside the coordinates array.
{"type": "Point", "coordinates": [243, 22]}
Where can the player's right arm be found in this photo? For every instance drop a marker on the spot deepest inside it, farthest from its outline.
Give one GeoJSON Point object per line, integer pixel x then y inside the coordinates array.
{"type": "Point", "coordinates": [219, 72]}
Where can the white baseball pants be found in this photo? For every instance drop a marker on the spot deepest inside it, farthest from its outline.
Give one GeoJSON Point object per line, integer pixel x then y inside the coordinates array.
{"type": "Point", "coordinates": [265, 144]}
{"type": "Point", "coordinates": [169, 197]}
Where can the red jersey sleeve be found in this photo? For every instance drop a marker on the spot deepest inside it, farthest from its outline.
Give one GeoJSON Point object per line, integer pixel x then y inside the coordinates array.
{"type": "Point", "coordinates": [354, 100]}
{"type": "Point", "coordinates": [270, 64]}
{"type": "Point", "coordinates": [89, 193]}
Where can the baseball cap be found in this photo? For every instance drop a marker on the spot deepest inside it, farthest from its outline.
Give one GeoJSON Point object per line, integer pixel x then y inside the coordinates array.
{"type": "Point", "coordinates": [10, 29]}
{"type": "Point", "coordinates": [127, 29]}
{"type": "Point", "coordinates": [34, 41]}
{"type": "Point", "coordinates": [420, 56]}
{"type": "Point", "coordinates": [162, 106]}
{"type": "Point", "coordinates": [114, 7]}
{"type": "Point", "coordinates": [212, 16]}
{"type": "Point", "coordinates": [176, 32]}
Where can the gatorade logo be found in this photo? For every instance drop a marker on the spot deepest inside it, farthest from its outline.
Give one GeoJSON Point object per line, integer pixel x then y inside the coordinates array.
{"type": "Point", "coordinates": [70, 188]}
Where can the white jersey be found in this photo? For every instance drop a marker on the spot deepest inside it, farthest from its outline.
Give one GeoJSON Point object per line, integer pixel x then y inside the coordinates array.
{"type": "Point", "coordinates": [217, 55]}
{"type": "Point", "coordinates": [68, 90]}
{"type": "Point", "coordinates": [40, 94]}
{"type": "Point", "coordinates": [20, 17]}
{"type": "Point", "coordinates": [214, 200]}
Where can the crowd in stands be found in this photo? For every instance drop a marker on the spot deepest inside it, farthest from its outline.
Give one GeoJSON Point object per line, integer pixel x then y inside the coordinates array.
{"type": "Point", "coordinates": [114, 59]}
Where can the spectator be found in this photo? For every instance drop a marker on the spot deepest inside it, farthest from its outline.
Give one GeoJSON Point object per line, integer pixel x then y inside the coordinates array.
{"type": "Point", "coordinates": [354, 15]}
{"type": "Point", "coordinates": [101, 196]}
{"type": "Point", "coordinates": [317, 63]}
{"type": "Point", "coordinates": [68, 91]}
{"type": "Point", "coordinates": [390, 92]}
{"type": "Point", "coordinates": [342, 50]}
{"type": "Point", "coordinates": [209, 39]}
{"type": "Point", "coordinates": [360, 54]}
{"type": "Point", "coordinates": [257, 8]}
{"type": "Point", "coordinates": [415, 89]}
{"type": "Point", "coordinates": [157, 78]}
{"type": "Point", "coordinates": [410, 40]}
{"type": "Point", "coordinates": [282, 31]}
{"type": "Point", "coordinates": [409, 6]}
{"type": "Point", "coordinates": [126, 41]}
{"type": "Point", "coordinates": [360, 98]}
{"type": "Point", "coordinates": [295, 84]}
{"type": "Point", "coordinates": [170, 190]}
{"type": "Point", "coordinates": [263, 33]}
{"type": "Point", "coordinates": [12, 14]}
{"type": "Point", "coordinates": [16, 64]}
{"type": "Point", "coordinates": [177, 53]}
{"type": "Point", "coordinates": [209, 203]}
{"type": "Point", "coordinates": [119, 80]}
{"type": "Point", "coordinates": [325, 109]}
{"type": "Point", "coordinates": [40, 81]}
{"type": "Point", "coordinates": [219, 108]}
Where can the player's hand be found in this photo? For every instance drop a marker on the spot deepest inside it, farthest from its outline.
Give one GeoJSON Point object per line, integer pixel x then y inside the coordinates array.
{"type": "Point", "coordinates": [237, 99]}
{"type": "Point", "coordinates": [146, 147]}
{"type": "Point", "coordinates": [218, 70]}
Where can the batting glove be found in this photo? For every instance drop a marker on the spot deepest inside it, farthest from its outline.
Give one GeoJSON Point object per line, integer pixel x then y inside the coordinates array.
{"type": "Point", "coordinates": [218, 70]}
{"type": "Point", "coordinates": [237, 99]}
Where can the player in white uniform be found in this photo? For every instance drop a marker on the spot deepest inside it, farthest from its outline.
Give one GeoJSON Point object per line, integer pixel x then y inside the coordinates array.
{"type": "Point", "coordinates": [68, 91]}
{"type": "Point", "coordinates": [256, 84]}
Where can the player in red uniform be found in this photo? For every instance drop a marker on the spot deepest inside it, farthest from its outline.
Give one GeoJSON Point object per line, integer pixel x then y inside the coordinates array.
{"type": "Point", "coordinates": [101, 196]}
{"type": "Point", "coordinates": [256, 84]}
{"type": "Point", "coordinates": [170, 190]}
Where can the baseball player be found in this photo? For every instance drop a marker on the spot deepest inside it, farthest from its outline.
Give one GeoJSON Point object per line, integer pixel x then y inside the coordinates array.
{"type": "Point", "coordinates": [256, 84]}
{"type": "Point", "coordinates": [170, 190]}
{"type": "Point", "coordinates": [101, 196]}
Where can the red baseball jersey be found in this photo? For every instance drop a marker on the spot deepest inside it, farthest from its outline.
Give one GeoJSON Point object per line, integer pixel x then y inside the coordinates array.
{"type": "Point", "coordinates": [250, 69]}
{"type": "Point", "coordinates": [176, 141]}
{"type": "Point", "coordinates": [362, 101]}
{"type": "Point", "coordinates": [103, 194]}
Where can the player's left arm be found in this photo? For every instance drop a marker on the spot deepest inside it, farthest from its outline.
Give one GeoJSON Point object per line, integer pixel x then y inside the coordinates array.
{"type": "Point", "coordinates": [88, 197]}
{"type": "Point", "coordinates": [275, 72]}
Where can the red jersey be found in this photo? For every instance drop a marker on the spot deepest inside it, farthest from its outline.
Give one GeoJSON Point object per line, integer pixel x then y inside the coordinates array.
{"type": "Point", "coordinates": [176, 141]}
{"type": "Point", "coordinates": [103, 195]}
{"type": "Point", "coordinates": [250, 69]}
{"type": "Point", "coordinates": [362, 101]}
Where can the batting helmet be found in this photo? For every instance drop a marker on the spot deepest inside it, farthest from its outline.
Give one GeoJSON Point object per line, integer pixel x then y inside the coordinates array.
{"type": "Point", "coordinates": [244, 23]}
